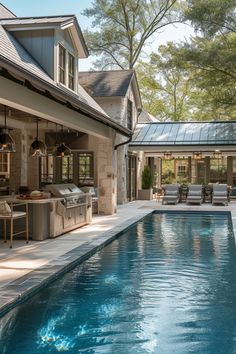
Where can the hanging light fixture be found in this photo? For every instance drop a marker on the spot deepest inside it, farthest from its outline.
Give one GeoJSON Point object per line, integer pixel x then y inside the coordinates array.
{"type": "Point", "coordinates": [217, 154]}
{"type": "Point", "coordinates": [38, 147]}
{"type": "Point", "coordinates": [197, 155]}
{"type": "Point", "coordinates": [61, 149]}
{"type": "Point", "coordinates": [7, 144]}
{"type": "Point", "coordinates": [167, 155]}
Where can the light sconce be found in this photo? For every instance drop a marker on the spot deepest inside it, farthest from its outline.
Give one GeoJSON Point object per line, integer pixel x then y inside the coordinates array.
{"type": "Point", "coordinates": [38, 147]}
{"type": "Point", "coordinates": [7, 144]}
{"type": "Point", "coordinates": [60, 149]}
{"type": "Point", "coordinates": [167, 155]}
{"type": "Point", "coordinates": [197, 155]}
{"type": "Point", "coordinates": [217, 154]}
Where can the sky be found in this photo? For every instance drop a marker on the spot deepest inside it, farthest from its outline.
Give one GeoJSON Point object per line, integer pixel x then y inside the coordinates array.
{"type": "Point", "coordinates": [24, 8]}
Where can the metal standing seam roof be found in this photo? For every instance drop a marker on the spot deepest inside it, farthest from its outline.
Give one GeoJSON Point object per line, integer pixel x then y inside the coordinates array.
{"type": "Point", "coordinates": [185, 133]}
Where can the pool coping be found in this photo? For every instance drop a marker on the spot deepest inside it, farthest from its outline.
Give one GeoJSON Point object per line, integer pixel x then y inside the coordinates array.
{"type": "Point", "coordinates": [23, 288]}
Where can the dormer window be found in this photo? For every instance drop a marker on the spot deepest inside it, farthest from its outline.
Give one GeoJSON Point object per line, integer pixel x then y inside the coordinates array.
{"type": "Point", "coordinates": [62, 65]}
{"type": "Point", "coordinates": [66, 68]}
{"type": "Point", "coordinates": [129, 114]}
{"type": "Point", "coordinates": [71, 71]}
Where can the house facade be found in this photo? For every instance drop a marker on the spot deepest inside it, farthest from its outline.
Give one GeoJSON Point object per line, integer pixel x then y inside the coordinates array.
{"type": "Point", "coordinates": [117, 92]}
{"type": "Point", "coordinates": [40, 97]}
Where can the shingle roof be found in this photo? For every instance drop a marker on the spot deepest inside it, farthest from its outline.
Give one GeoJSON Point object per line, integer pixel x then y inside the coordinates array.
{"type": "Point", "coordinates": [185, 134]}
{"type": "Point", "coordinates": [35, 20]}
{"type": "Point", "coordinates": [13, 51]}
{"type": "Point", "coordinates": [146, 117]}
{"type": "Point", "coordinates": [5, 13]}
{"type": "Point", "coordinates": [106, 83]}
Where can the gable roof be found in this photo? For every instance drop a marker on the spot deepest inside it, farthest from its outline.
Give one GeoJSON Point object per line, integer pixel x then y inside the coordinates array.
{"type": "Point", "coordinates": [63, 22]}
{"type": "Point", "coordinates": [5, 12]}
{"type": "Point", "coordinates": [188, 134]}
{"type": "Point", "coordinates": [106, 83]}
{"type": "Point", "coordinates": [18, 65]}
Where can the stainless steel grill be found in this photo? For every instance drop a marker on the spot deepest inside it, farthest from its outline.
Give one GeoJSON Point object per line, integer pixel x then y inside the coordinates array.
{"type": "Point", "coordinates": [73, 211]}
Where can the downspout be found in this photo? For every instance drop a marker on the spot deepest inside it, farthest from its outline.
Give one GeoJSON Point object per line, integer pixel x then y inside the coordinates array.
{"type": "Point", "coordinates": [130, 138]}
{"type": "Point", "coordinates": [124, 142]}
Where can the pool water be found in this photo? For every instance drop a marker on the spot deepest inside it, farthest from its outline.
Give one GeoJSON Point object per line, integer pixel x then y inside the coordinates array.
{"type": "Point", "coordinates": [166, 285]}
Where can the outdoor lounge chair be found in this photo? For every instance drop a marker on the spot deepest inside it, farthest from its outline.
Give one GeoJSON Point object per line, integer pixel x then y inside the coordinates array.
{"type": "Point", "coordinates": [171, 195]}
{"type": "Point", "coordinates": [194, 194]}
{"type": "Point", "coordinates": [220, 194]}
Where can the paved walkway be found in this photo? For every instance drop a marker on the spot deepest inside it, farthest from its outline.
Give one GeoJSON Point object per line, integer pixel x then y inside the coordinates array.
{"type": "Point", "coordinates": [27, 268]}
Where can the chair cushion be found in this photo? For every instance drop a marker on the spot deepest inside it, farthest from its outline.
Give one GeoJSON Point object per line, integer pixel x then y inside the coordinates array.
{"type": "Point", "coordinates": [5, 209]}
{"type": "Point", "coordinates": [15, 215]}
{"type": "Point", "coordinates": [195, 193]}
{"type": "Point", "coordinates": [220, 193]}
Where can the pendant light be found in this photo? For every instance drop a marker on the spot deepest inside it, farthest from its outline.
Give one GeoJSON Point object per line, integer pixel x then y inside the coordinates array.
{"type": "Point", "coordinates": [197, 155]}
{"type": "Point", "coordinates": [38, 148]}
{"type": "Point", "coordinates": [7, 144]}
{"type": "Point", "coordinates": [61, 150]}
{"type": "Point", "coordinates": [167, 155]}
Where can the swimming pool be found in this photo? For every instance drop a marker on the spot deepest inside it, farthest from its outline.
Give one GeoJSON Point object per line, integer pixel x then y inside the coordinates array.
{"type": "Point", "coordinates": [166, 285]}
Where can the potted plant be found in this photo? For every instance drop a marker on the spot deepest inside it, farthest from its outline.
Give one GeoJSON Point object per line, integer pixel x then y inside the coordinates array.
{"type": "Point", "coordinates": [146, 193]}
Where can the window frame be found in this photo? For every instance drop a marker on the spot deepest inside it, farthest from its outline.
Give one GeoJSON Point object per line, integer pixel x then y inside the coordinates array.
{"type": "Point", "coordinates": [129, 114]}
{"type": "Point", "coordinates": [66, 68]}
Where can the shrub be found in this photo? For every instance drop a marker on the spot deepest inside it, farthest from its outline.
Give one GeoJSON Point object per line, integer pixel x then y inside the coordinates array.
{"type": "Point", "coordinates": [147, 178]}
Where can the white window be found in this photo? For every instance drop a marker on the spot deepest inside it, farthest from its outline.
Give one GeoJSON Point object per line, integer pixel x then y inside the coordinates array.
{"type": "Point", "coordinates": [4, 165]}
{"type": "Point", "coordinates": [71, 71]}
{"type": "Point", "coordinates": [62, 65]}
{"type": "Point", "coordinates": [66, 68]}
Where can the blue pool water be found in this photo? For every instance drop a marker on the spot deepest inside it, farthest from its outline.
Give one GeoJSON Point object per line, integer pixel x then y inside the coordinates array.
{"type": "Point", "coordinates": [167, 285]}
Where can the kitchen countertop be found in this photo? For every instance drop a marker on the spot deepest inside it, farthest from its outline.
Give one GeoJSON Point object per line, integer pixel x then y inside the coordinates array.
{"type": "Point", "coordinates": [15, 199]}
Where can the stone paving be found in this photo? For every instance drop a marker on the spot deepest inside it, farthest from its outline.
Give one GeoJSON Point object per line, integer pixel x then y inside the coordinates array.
{"type": "Point", "coordinates": [25, 269]}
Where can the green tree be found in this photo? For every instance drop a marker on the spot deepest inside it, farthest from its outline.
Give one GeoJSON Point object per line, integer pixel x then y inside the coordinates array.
{"type": "Point", "coordinates": [122, 28]}
{"type": "Point", "coordinates": [211, 16]}
{"type": "Point", "coordinates": [165, 89]}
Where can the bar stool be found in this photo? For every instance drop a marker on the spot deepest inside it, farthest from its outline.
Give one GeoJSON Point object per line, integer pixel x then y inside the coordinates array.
{"type": "Point", "coordinates": [9, 214]}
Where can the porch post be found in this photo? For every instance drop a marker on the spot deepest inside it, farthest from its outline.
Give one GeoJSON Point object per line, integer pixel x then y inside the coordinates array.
{"type": "Point", "coordinates": [189, 169]}
{"type": "Point", "coordinates": [229, 170]}
{"type": "Point", "coordinates": [207, 169]}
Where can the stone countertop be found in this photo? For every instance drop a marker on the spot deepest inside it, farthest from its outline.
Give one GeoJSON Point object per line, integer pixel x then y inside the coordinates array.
{"type": "Point", "coordinates": [15, 199]}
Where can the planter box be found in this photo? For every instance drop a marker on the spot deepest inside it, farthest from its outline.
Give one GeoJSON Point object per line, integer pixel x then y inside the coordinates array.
{"type": "Point", "coordinates": [145, 194]}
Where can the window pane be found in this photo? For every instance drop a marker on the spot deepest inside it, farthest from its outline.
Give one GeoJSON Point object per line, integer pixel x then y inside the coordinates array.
{"type": "Point", "coordinates": [71, 71]}
{"type": "Point", "coordinates": [85, 168]}
{"type": "Point", "coordinates": [62, 64]}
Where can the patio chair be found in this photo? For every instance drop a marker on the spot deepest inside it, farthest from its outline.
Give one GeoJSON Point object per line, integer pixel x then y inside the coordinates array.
{"type": "Point", "coordinates": [220, 194]}
{"type": "Point", "coordinates": [171, 195]}
{"type": "Point", "coordinates": [7, 213]}
{"type": "Point", "coordinates": [195, 194]}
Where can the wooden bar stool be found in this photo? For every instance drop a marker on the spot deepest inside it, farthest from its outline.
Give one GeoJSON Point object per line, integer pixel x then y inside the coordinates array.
{"type": "Point", "coordinates": [8, 213]}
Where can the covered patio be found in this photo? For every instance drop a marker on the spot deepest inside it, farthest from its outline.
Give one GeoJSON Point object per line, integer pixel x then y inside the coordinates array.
{"type": "Point", "coordinates": [188, 152]}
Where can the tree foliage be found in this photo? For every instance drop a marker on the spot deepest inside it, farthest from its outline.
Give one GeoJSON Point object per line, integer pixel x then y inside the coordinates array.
{"type": "Point", "coordinates": [165, 89]}
{"type": "Point", "coordinates": [212, 16]}
{"type": "Point", "coordinates": [123, 28]}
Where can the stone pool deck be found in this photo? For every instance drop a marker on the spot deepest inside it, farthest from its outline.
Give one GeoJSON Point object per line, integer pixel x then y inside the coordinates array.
{"type": "Point", "coordinates": [25, 269]}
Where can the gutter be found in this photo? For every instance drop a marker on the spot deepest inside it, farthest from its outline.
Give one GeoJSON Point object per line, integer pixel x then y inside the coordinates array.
{"type": "Point", "coordinates": [47, 89]}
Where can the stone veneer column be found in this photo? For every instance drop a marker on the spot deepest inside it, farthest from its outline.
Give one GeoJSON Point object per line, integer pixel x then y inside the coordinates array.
{"type": "Point", "coordinates": [121, 176]}
{"type": "Point", "coordinates": [18, 161]}
{"type": "Point", "coordinates": [107, 179]}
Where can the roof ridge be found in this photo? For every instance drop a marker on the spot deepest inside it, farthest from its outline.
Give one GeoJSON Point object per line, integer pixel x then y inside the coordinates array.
{"type": "Point", "coordinates": [107, 71]}
{"type": "Point", "coordinates": [37, 17]}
